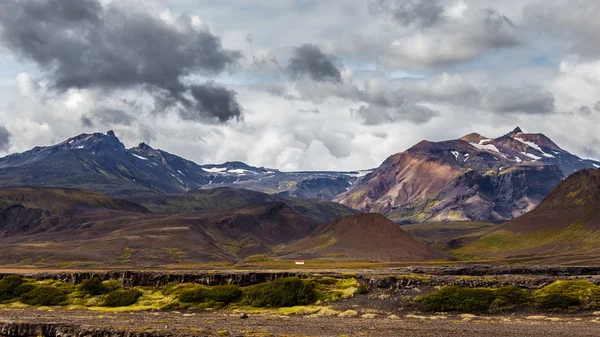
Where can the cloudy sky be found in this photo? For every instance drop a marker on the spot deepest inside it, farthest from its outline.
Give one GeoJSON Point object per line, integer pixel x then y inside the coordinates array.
{"type": "Point", "coordinates": [298, 84]}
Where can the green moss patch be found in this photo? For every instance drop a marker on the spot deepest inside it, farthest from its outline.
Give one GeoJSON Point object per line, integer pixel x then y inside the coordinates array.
{"type": "Point", "coordinates": [568, 295]}
{"type": "Point", "coordinates": [475, 299]}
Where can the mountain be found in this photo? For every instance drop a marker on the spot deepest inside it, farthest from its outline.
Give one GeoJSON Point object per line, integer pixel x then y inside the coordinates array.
{"type": "Point", "coordinates": [322, 185]}
{"type": "Point", "coordinates": [471, 178]}
{"type": "Point", "coordinates": [565, 225]}
{"type": "Point", "coordinates": [65, 227]}
{"type": "Point", "coordinates": [230, 198]}
{"type": "Point", "coordinates": [101, 163]}
{"type": "Point", "coordinates": [35, 210]}
{"type": "Point", "coordinates": [363, 236]}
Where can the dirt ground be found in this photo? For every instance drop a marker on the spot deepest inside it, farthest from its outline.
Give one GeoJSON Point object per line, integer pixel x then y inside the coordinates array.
{"type": "Point", "coordinates": [205, 323]}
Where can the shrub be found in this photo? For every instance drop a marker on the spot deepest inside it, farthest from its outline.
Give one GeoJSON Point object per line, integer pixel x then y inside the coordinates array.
{"type": "Point", "coordinates": [284, 292]}
{"type": "Point", "coordinates": [224, 294]}
{"type": "Point", "coordinates": [44, 295]}
{"type": "Point", "coordinates": [122, 298]}
{"type": "Point", "coordinates": [458, 299]}
{"type": "Point", "coordinates": [112, 285]}
{"type": "Point", "coordinates": [362, 289]}
{"type": "Point", "coordinates": [509, 298]}
{"type": "Point", "coordinates": [9, 286]}
{"type": "Point", "coordinates": [94, 287]}
{"type": "Point", "coordinates": [561, 295]}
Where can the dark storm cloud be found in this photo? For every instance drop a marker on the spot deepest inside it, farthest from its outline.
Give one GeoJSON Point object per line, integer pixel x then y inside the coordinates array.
{"type": "Point", "coordinates": [106, 116]}
{"type": "Point", "coordinates": [82, 44]}
{"type": "Point", "coordinates": [309, 60]}
{"type": "Point", "coordinates": [5, 137]}
{"type": "Point", "coordinates": [216, 102]}
{"type": "Point", "coordinates": [528, 99]}
{"type": "Point", "coordinates": [417, 13]}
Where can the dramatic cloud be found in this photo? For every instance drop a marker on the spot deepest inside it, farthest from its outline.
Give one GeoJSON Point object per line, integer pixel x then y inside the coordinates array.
{"type": "Point", "coordinates": [437, 34]}
{"type": "Point", "coordinates": [309, 60]}
{"type": "Point", "coordinates": [82, 44]}
{"type": "Point", "coordinates": [5, 137]}
{"type": "Point", "coordinates": [374, 114]}
{"type": "Point", "coordinates": [215, 101]}
{"type": "Point", "coordinates": [523, 99]}
{"type": "Point", "coordinates": [107, 117]}
{"type": "Point", "coordinates": [575, 22]}
{"type": "Point", "coordinates": [419, 13]}
{"type": "Point", "coordinates": [315, 85]}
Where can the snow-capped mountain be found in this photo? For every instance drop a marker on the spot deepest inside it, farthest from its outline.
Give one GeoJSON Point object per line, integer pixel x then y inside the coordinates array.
{"type": "Point", "coordinates": [471, 178]}
{"type": "Point", "coordinates": [100, 162]}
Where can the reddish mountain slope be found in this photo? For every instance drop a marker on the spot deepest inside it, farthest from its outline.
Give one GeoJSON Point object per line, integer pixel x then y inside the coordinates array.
{"type": "Point", "coordinates": [471, 178]}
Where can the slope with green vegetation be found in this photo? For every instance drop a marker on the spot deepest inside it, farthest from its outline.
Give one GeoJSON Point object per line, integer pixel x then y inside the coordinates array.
{"type": "Point", "coordinates": [567, 222]}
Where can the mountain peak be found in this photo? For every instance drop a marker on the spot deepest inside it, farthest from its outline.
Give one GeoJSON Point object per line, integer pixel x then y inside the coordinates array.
{"type": "Point", "coordinates": [473, 138]}
{"type": "Point", "coordinates": [515, 131]}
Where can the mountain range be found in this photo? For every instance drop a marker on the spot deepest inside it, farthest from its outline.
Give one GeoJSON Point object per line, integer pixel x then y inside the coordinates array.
{"type": "Point", "coordinates": [100, 162]}
{"type": "Point", "coordinates": [470, 178]}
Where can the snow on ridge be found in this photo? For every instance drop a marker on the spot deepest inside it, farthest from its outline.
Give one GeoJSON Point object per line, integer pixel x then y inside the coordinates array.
{"type": "Point", "coordinates": [139, 157]}
{"type": "Point", "coordinates": [532, 156]}
{"type": "Point", "coordinates": [215, 169]}
{"type": "Point", "coordinates": [486, 147]}
{"type": "Point", "coordinates": [535, 146]}
{"type": "Point", "coordinates": [240, 171]}
{"type": "Point", "coordinates": [483, 141]}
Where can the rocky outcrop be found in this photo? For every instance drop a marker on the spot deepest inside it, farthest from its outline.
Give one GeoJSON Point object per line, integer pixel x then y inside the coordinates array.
{"type": "Point", "coordinates": [470, 276]}
{"type": "Point", "coordinates": [61, 330]}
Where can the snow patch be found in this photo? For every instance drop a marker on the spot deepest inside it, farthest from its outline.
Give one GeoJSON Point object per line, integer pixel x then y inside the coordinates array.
{"type": "Point", "coordinates": [455, 153]}
{"type": "Point", "coordinates": [596, 166]}
{"type": "Point", "coordinates": [532, 156]}
{"type": "Point", "coordinates": [71, 142]}
{"type": "Point", "coordinates": [483, 141]}
{"type": "Point", "coordinates": [487, 147]}
{"type": "Point", "coordinates": [80, 147]}
{"type": "Point", "coordinates": [518, 159]}
{"type": "Point", "coordinates": [215, 169]}
{"type": "Point", "coordinates": [139, 157]}
{"type": "Point", "coordinates": [535, 146]}
{"type": "Point", "coordinates": [240, 171]}
{"type": "Point", "coordinates": [180, 172]}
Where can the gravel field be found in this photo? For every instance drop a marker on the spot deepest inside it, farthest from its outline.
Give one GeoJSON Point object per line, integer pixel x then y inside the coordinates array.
{"type": "Point", "coordinates": [202, 323]}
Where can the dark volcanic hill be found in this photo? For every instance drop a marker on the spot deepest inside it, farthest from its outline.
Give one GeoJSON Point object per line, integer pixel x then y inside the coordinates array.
{"type": "Point", "coordinates": [64, 227]}
{"type": "Point", "coordinates": [227, 197]}
{"type": "Point", "coordinates": [566, 222]}
{"type": "Point", "coordinates": [471, 178]}
{"type": "Point", "coordinates": [101, 163]}
{"type": "Point", "coordinates": [361, 237]}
